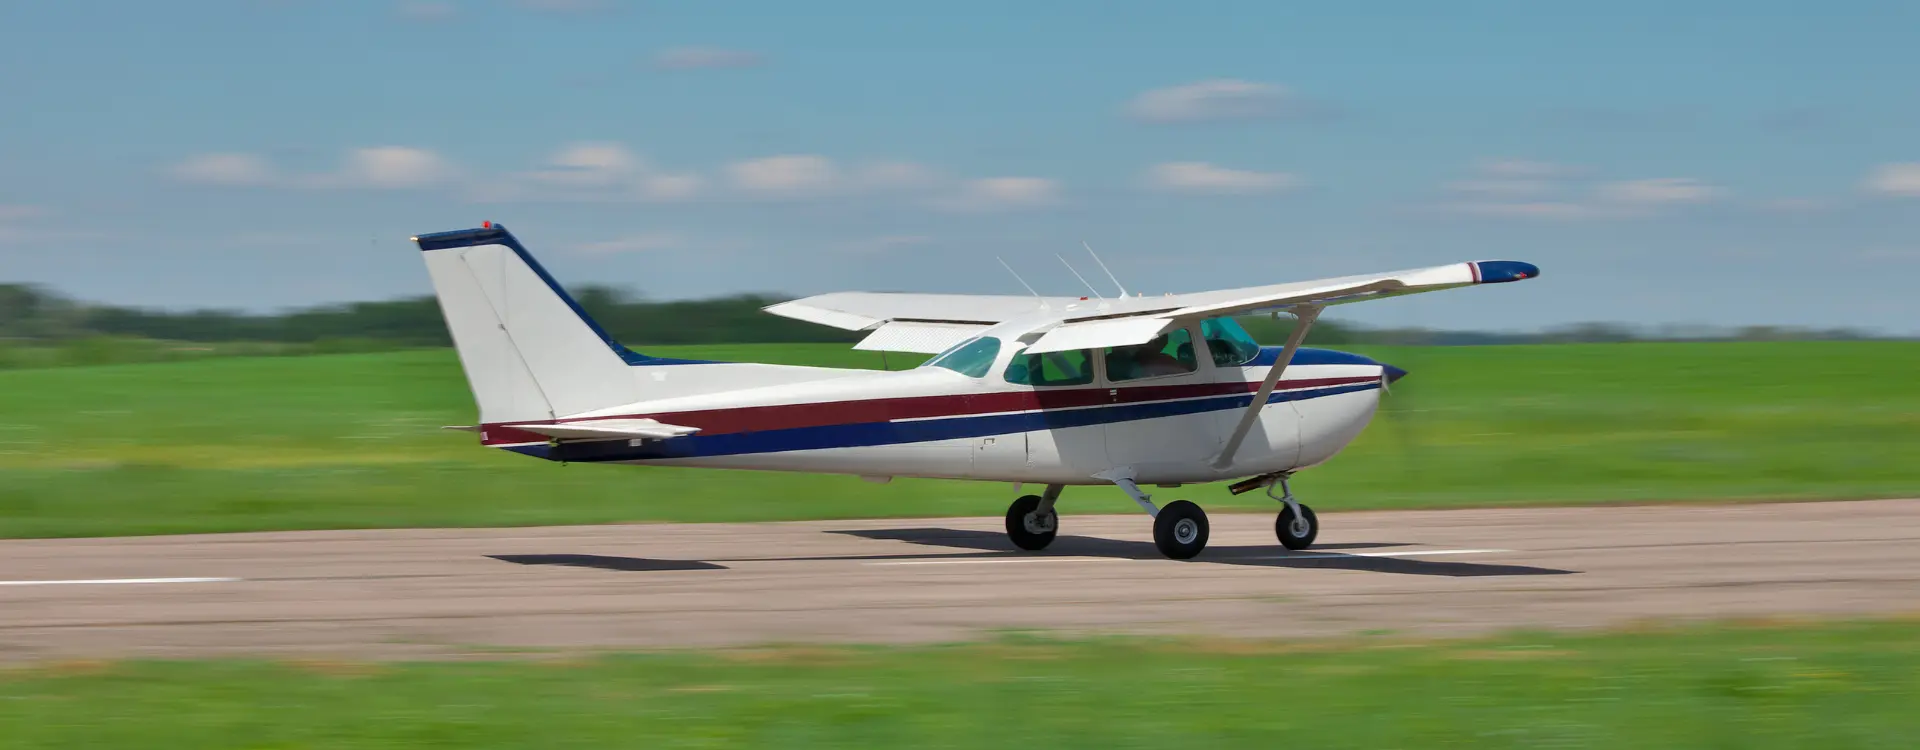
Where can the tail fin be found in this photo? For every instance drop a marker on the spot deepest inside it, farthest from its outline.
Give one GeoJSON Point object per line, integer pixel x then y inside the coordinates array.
{"type": "Point", "coordinates": [530, 351]}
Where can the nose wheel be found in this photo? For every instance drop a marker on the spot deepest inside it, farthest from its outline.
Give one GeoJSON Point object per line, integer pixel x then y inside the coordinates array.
{"type": "Point", "coordinates": [1296, 526]}
{"type": "Point", "coordinates": [1296, 531]}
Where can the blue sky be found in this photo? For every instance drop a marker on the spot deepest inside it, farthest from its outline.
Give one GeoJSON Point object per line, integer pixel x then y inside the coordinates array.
{"type": "Point", "coordinates": [1722, 163]}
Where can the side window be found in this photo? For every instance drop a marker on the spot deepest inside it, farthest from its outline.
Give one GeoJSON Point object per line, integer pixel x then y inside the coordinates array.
{"type": "Point", "coordinates": [1168, 354]}
{"type": "Point", "coordinates": [1228, 342]}
{"type": "Point", "coordinates": [1051, 369]}
{"type": "Point", "coordinates": [972, 358]}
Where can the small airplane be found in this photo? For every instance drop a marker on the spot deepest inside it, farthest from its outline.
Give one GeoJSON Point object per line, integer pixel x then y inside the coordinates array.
{"type": "Point", "coordinates": [1131, 391]}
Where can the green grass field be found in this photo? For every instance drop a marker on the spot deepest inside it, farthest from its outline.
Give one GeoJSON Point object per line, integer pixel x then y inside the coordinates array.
{"type": "Point", "coordinates": [351, 441]}
{"type": "Point", "coordinates": [1827, 686]}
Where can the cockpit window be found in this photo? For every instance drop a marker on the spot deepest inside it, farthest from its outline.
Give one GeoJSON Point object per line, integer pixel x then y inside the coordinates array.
{"type": "Point", "coordinates": [1228, 342]}
{"type": "Point", "coordinates": [1167, 354]}
{"type": "Point", "coordinates": [1051, 369]}
{"type": "Point", "coordinates": [972, 358]}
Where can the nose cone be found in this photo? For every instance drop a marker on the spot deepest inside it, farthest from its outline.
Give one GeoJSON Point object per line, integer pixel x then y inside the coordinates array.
{"type": "Point", "coordinates": [1394, 374]}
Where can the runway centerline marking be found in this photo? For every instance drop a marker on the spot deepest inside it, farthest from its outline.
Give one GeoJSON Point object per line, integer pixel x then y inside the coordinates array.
{"type": "Point", "coordinates": [110, 581]}
{"type": "Point", "coordinates": [1308, 555]}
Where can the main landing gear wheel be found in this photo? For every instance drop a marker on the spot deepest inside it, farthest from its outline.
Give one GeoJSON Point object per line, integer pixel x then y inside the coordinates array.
{"type": "Point", "coordinates": [1296, 533]}
{"type": "Point", "coordinates": [1029, 528]}
{"type": "Point", "coordinates": [1180, 530]}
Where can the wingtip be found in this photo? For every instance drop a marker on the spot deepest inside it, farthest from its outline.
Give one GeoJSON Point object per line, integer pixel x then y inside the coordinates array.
{"type": "Point", "coordinates": [1502, 271]}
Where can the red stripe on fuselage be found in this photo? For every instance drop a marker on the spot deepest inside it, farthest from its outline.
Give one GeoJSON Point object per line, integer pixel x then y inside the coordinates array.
{"type": "Point", "coordinates": [821, 414]}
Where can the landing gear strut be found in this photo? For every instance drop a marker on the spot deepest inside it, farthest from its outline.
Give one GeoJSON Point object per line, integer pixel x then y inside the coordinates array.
{"type": "Point", "coordinates": [1031, 520]}
{"type": "Point", "coordinates": [1179, 530]}
{"type": "Point", "coordinates": [1296, 526]}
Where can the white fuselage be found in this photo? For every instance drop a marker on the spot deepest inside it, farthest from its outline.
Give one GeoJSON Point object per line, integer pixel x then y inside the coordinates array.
{"type": "Point", "coordinates": [932, 422]}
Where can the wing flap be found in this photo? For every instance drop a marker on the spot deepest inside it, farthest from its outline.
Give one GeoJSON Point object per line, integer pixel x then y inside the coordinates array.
{"type": "Point", "coordinates": [1098, 334]}
{"type": "Point", "coordinates": [609, 429]}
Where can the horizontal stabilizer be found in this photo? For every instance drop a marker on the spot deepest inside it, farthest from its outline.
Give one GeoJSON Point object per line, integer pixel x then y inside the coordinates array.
{"type": "Point", "coordinates": [609, 429]}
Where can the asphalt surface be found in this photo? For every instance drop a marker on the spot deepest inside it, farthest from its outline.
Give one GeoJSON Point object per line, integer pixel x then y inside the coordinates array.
{"type": "Point", "coordinates": [457, 592]}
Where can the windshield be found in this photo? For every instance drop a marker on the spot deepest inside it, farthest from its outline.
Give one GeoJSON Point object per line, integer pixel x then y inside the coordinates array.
{"type": "Point", "coordinates": [972, 358]}
{"type": "Point", "coordinates": [1228, 342]}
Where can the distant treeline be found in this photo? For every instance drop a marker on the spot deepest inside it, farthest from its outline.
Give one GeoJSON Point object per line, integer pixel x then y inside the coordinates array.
{"type": "Point", "coordinates": [31, 314]}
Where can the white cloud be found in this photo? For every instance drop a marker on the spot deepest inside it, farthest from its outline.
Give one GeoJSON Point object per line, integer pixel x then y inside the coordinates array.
{"type": "Point", "coordinates": [1201, 177]}
{"type": "Point", "coordinates": [389, 168]}
{"type": "Point", "coordinates": [229, 168]}
{"type": "Point", "coordinates": [1215, 99]}
{"type": "Point", "coordinates": [1659, 191]}
{"type": "Point", "coordinates": [1517, 188]}
{"type": "Point", "coordinates": [705, 58]}
{"type": "Point", "coordinates": [649, 242]}
{"type": "Point", "coordinates": [589, 165]}
{"type": "Point", "coordinates": [790, 174]}
{"type": "Point", "coordinates": [1003, 193]}
{"type": "Point", "coordinates": [426, 11]}
{"type": "Point", "coordinates": [1900, 178]}
{"type": "Point", "coordinates": [595, 171]}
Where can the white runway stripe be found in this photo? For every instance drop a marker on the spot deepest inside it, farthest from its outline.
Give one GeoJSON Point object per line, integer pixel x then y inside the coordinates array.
{"type": "Point", "coordinates": [102, 581]}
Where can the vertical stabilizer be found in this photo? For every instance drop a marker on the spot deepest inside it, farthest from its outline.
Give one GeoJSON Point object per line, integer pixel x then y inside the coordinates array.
{"type": "Point", "coordinates": [529, 351]}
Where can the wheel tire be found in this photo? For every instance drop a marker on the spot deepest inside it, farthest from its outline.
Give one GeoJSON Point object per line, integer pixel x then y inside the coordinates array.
{"type": "Point", "coordinates": [1290, 536]}
{"type": "Point", "coordinates": [1180, 530]}
{"type": "Point", "coordinates": [1027, 530]}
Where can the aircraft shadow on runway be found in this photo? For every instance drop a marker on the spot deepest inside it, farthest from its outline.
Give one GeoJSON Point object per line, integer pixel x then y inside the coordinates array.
{"type": "Point", "coordinates": [989, 545]}
{"type": "Point", "coordinates": [992, 544]}
{"type": "Point", "coordinates": [608, 562]}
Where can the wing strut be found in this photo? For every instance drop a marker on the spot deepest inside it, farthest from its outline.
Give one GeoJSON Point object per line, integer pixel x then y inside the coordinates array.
{"type": "Point", "coordinates": [1306, 314]}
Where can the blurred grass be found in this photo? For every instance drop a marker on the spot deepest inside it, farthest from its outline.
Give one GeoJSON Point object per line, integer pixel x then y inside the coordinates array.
{"type": "Point", "coordinates": [351, 441]}
{"type": "Point", "coordinates": [1745, 686]}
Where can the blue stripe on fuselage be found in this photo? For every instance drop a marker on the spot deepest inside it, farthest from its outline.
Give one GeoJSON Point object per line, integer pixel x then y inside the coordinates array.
{"type": "Point", "coordinates": [1305, 356]}
{"type": "Point", "coordinates": [894, 433]}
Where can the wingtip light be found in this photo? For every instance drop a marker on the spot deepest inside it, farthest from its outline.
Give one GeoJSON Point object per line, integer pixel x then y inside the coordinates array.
{"type": "Point", "coordinates": [486, 224]}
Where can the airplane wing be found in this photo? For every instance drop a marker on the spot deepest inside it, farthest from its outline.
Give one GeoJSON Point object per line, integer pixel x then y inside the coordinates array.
{"type": "Point", "coordinates": [860, 311]}
{"type": "Point", "coordinates": [923, 323]}
{"type": "Point", "coordinates": [1136, 326]}
{"type": "Point", "coordinates": [930, 323]}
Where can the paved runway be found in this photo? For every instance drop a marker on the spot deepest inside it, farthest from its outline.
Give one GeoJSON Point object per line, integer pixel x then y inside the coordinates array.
{"type": "Point", "coordinates": [450, 592]}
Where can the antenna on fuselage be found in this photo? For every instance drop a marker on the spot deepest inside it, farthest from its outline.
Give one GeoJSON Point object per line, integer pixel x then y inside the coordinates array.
{"type": "Point", "coordinates": [1103, 267]}
{"type": "Point", "coordinates": [1076, 274]}
{"type": "Point", "coordinates": [1016, 277]}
